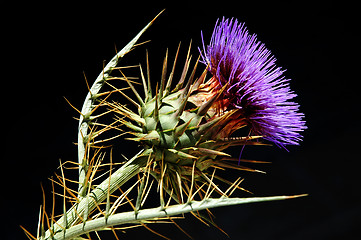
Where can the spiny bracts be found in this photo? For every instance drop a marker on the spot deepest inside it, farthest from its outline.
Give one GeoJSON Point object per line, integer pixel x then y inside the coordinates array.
{"type": "Point", "coordinates": [184, 130]}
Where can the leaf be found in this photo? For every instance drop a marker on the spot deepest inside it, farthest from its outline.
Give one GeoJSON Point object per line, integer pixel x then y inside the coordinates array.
{"type": "Point", "coordinates": [157, 213]}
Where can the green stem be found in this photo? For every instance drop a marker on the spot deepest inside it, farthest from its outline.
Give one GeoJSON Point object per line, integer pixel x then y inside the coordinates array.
{"type": "Point", "coordinates": [79, 210]}
{"type": "Point", "coordinates": [156, 213]}
{"type": "Point", "coordinates": [89, 104]}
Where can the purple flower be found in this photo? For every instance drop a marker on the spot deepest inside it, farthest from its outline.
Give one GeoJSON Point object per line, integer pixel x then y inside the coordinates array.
{"type": "Point", "coordinates": [256, 86]}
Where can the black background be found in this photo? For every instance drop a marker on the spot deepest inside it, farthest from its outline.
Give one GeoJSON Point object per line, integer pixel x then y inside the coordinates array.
{"type": "Point", "coordinates": [51, 45]}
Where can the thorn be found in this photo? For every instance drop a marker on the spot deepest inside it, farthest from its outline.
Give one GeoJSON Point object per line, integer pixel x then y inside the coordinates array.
{"type": "Point", "coordinates": [161, 182]}
{"type": "Point", "coordinates": [115, 234]}
{"type": "Point", "coordinates": [170, 79]}
{"type": "Point", "coordinates": [199, 217]}
{"type": "Point", "coordinates": [198, 191]}
{"type": "Point", "coordinates": [97, 106]}
{"type": "Point", "coordinates": [28, 234]}
{"type": "Point", "coordinates": [126, 193]}
{"type": "Point", "coordinates": [156, 233]}
{"type": "Point", "coordinates": [205, 107]}
{"type": "Point", "coordinates": [141, 43]}
{"type": "Point", "coordinates": [170, 196]}
{"type": "Point", "coordinates": [103, 72]}
{"type": "Point", "coordinates": [208, 194]}
{"type": "Point", "coordinates": [145, 88]}
{"type": "Point", "coordinates": [180, 187]}
{"type": "Point", "coordinates": [208, 126]}
{"type": "Point", "coordinates": [87, 84]}
{"type": "Point", "coordinates": [123, 196]}
{"type": "Point", "coordinates": [236, 186]}
{"type": "Point", "coordinates": [156, 108]}
{"type": "Point", "coordinates": [181, 154]}
{"type": "Point", "coordinates": [157, 16]}
{"type": "Point", "coordinates": [199, 81]}
{"type": "Point", "coordinates": [237, 167]}
{"type": "Point", "coordinates": [43, 213]}
{"type": "Point", "coordinates": [179, 227]}
{"type": "Point", "coordinates": [115, 48]}
{"type": "Point", "coordinates": [164, 73]}
{"type": "Point", "coordinates": [190, 80]}
{"type": "Point", "coordinates": [297, 196]}
{"type": "Point", "coordinates": [130, 114]}
{"type": "Point", "coordinates": [48, 224]}
{"type": "Point", "coordinates": [244, 160]}
{"type": "Point", "coordinates": [140, 194]}
{"type": "Point", "coordinates": [183, 104]}
{"type": "Point", "coordinates": [107, 208]}
{"type": "Point", "coordinates": [212, 152]}
{"type": "Point", "coordinates": [212, 183]}
{"type": "Point", "coordinates": [124, 67]}
{"type": "Point", "coordinates": [192, 184]}
{"type": "Point", "coordinates": [179, 131]}
{"type": "Point", "coordinates": [140, 100]}
{"type": "Point", "coordinates": [64, 199]}
{"type": "Point", "coordinates": [39, 223]}
{"type": "Point", "coordinates": [73, 107]}
{"type": "Point", "coordinates": [147, 193]}
{"type": "Point", "coordinates": [53, 203]}
{"type": "Point", "coordinates": [185, 69]}
{"type": "Point", "coordinates": [148, 76]}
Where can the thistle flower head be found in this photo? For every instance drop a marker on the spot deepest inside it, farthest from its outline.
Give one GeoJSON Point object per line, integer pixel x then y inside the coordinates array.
{"type": "Point", "coordinates": [253, 83]}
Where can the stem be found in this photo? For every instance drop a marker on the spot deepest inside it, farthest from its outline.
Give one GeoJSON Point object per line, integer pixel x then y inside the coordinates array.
{"type": "Point", "coordinates": [79, 210]}
{"type": "Point", "coordinates": [89, 105]}
{"type": "Point", "coordinates": [156, 213]}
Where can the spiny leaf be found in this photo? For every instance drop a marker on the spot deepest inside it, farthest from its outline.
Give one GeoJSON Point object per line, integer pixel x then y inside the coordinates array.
{"type": "Point", "coordinates": [88, 104]}
{"type": "Point", "coordinates": [157, 213]}
{"type": "Point", "coordinates": [182, 128]}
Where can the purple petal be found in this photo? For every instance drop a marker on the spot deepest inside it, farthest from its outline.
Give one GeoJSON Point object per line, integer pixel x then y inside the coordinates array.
{"type": "Point", "coordinates": [256, 85]}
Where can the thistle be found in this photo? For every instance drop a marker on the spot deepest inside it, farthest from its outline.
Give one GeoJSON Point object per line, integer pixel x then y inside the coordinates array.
{"type": "Point", "coordinates": [183, 124]}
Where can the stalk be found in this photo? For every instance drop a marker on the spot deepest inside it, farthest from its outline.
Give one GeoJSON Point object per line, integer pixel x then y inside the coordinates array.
{"type": "Point", "coordinates": [79, 210]}
{"type": "Point", "coordinates": [89, 105]}
{"type": "Point", "coordinates": [159, 212]}
{"type": "Point", "coordinates": [88, 200]}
